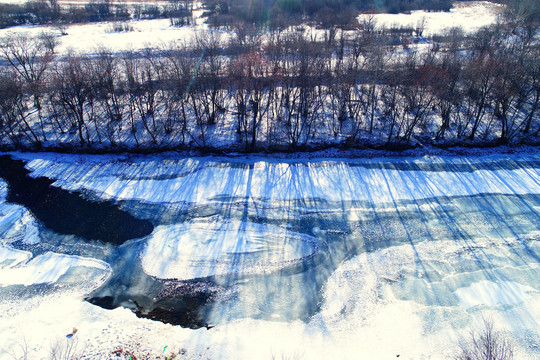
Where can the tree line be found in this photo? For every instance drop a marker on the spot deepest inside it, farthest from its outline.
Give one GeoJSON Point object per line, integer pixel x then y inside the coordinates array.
{"type": "Point", "coordinates": [282, 13]}
{"type": "Point", "coordinates": [298, 89]}
{"type": "Point", "coordinates": [42, 12]}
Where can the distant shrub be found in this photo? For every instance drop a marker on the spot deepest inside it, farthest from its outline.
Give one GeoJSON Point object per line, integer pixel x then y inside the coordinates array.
{"type": "Point", "coordinates": [120, 27]}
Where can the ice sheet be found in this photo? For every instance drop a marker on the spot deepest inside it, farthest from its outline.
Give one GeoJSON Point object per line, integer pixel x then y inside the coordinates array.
{"type": "Point", "coordinates": [491, 293]}
{"type": "Point", "coordinates": [3, 191]}
{"type": "Point", "coordinates": [11, 257]}
{"type": "Point", "coordinates": [437, 274]}
{"type": "Point", "coordinates": [196, 250]}
{"type": "Point", "coordinates": [399, 300]}
{"type": "Point", "coordinates": [17, 224]}
{"type": "Point", "coordinates": [49, 268]}
{"type": "Point", "coordinates": [207, 180]}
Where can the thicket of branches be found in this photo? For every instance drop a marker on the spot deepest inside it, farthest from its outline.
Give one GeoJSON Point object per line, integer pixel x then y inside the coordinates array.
{"type": "Point", "coordinates": [485, 344]}
{"type": "Point", "coordinates": [351, 88]}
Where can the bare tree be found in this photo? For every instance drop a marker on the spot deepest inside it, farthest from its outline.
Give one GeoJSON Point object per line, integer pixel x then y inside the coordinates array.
{"type": "Point", "coordinates": [180, 70]}
{"type": "Point", "coordinates": [416, 93]}
{"type": "Point", "coordinates": [74, 92]}
{"type": "Point", "coordinates": [206, 89]}
{"type": "Point", "coordinates": [391, 109]}
{"type": "Point", "coordinates": [532, 74]}
{"type": "Point", "coordinates": [301, 95]}
{"type": "Point", "coordinates": [209, 79]}
{"type": "Point", "coordinates": [445, 86]}
{"type": "Point", "coordinates": [252, 94]}
{"type": "Point", "coordinates": [106, 86]}
{"type": "Point", "coordinates": [13, 121]}
{"type": "Point", "coordinates": [30, 58]}
{"type": "Point", "coordinates": [141, 82]}
{"type": "Point", "coordinates": [480, 75]}
{"type": "Point", "coordinates": [339, 93]}
{"type": "Point", "coordinates": [485, 344]}
{"type": "Point", "coordinates": [508, 92]}
{"type": "Point", "coordinates": [420, 26]}
{"type": "Point", "coordinates": [377, 58]}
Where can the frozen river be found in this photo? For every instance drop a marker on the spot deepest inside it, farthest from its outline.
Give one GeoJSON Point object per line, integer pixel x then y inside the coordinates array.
{"type": "Point", "coordinates": [416, 250]}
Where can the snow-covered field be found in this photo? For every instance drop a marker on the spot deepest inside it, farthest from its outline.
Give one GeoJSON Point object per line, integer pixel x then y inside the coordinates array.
{"type": "Point", "coordinates": [468, 15]}
{"type": "Point", "coordinates": [315, 259]}
{"type": "Point", "coordinates": [86, 38]}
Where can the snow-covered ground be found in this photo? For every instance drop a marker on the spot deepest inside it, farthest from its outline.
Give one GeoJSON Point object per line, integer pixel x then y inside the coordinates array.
{"type": "Point", "coordinates": [46, 269]}
{"type": "Point", "coordinates": [86, 38]}
{"type": "Point", "coordinates": [321, 258]}
{"type": "Point", "coordinates": [468, 15]}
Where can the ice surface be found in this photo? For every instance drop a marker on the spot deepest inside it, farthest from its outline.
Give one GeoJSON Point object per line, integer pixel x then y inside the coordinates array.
{"type": "Point", "coordinates": [49, 268]}
{"type": "Point", "coordinates": [3, 190]}
{"type": "Point", "coordinates": [389, 327]}
{"type": "Point", "coordinates": [207, 180]}
{"type": "Point", "coordinates": [196, 250]}
{"type": "Point", "coordinates": [17, 224]}
{"type": "Point", "coordinates": [400, 291]}
{"type": "Point", "coordinates": [492, 293]}
{"type": "Point", "coordinates": [11, 257]}
{"type": "Point", "coordinates": [413, 272]}
{"type": "Point", "coordinates": [405, 271]}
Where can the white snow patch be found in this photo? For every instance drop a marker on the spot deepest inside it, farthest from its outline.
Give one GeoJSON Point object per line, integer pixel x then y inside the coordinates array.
{"type": "Point", "coordinates": [87, 38]}
{"type": "Point", "coordinates": [493, 293]}
{"type": "Point", "coordinates": [48, 268]}
{"type": "Point", "coordinates": [361, 286]}
{"type": "Point", "coordinates": [11, 257]}
{"type": "Point", "coordinates": [195, 250]}
{"type": "Point", "coordinates": [470, 16]}
{"type": "Point", "coordinates": [364, 299]}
